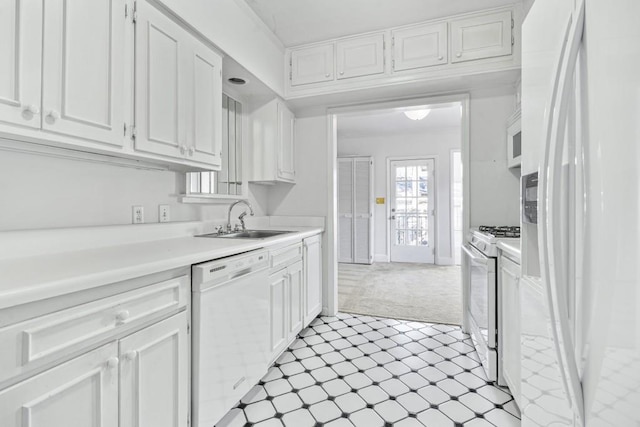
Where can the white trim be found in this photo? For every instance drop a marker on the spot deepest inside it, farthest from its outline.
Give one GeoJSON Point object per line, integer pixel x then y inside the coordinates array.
{"type": "Point", "coordinates": [330, 306]}
{"type": "Point", "coordinates": [451, 205]}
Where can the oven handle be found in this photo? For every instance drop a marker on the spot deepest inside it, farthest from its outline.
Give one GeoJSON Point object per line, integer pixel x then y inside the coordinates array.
{"type": "Point", "coordinates": [473, 256]}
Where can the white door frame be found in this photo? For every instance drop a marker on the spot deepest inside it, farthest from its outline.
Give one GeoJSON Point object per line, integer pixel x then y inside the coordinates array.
{"type": "Point", "coordinates": [330, 302]}
{"type": "Point", "coordinates": [436, 202]}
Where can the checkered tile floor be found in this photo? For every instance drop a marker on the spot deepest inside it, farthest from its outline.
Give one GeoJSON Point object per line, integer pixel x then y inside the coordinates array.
{"type": "Point", "coordinates": [361, 371]}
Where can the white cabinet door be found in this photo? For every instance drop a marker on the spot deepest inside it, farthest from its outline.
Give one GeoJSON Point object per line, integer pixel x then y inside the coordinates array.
{"type": "Point", "coordinates": [510, 321]}
{"type": "Point", "coordinates": [296, 302]}
{"type": "Point", "coordinates": [161, 81]}
{"type": "Point", "coordinates": [20, 67]}
{"type": "Point", "coordinates": [361, 56]}
{"type": "Point", "coordinates": [278, 312]}
{"type": "Point", "coordinates": [479, 37]}
{"type": "Point", "coordinates": [345, 210]}
{"type": "Point", "coordinates": [83, 69]}
{"type": "Point", "coordinates": [81, 392]}
{"type": "Point", "coordinates": [154, 375]}
{"type": "Point", "coordinates": [355, 210]}
{"type": "Point", "coordinates": [205, 129]}
{"type": "Point", "coordinates": [419, 47]}
{"type": "Point", "coordinates": [286, 141]}
{"type": "Point", "coordinates": [312, 278]}
{"type": "Point", "coordinates": [311, 65]}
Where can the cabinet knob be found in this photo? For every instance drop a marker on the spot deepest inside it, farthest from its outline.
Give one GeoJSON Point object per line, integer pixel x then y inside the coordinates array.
{"type": "Point", "coordinates": [112, 362]}
{"type": "Point", "coordinates": [122, 316]}
{"type": "Point", "coordinates": [341, 72]}
{"type": "Point", "coordinates": [458, 55]}
{"type": "Point", "coordinates": [327, 75]}
{"type": "Point", "coordinates": [183, 149]}
{"type": "Point", "coordinates": [440, 58]}
{"type": "Point", "coordinates": [191, 151]}
{"type": "Point", "coordinates": [32, 109]}
{"type": "Point", "coordinates": [131, 355]}
{"type": "Point", "coordinates": [53, 115]}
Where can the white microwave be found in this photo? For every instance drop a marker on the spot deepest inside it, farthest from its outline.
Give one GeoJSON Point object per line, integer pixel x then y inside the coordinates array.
{"type": "Point", "coordinates": [514, 140]}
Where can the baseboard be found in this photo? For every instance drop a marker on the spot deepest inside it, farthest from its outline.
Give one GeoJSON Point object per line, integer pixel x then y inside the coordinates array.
{"type": "Point", "coordinates": [380, 258]}
{"type": "Point", "coordinates": [444, 261]}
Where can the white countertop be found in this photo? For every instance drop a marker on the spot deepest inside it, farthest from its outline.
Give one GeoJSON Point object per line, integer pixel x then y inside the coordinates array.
{"type": "Point", "coordinates": [510, 246]}
{"type": "Point", "coordinates": [32, 278]}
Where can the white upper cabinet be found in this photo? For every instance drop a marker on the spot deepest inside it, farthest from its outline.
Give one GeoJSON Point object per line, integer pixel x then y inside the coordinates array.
{"type": "Point", "coordinates": [273, 143]}
{"type": "Point", "coordinates": [20, 67]}
{"type": "Point", "coordinates": [311, 64]}
{"type": "Point", "coordinates": [83, 69]}
{"type": "Point", "coordinates": [205, 136]}
{"type": "Point", "coordinates": [482, 36]}
{"type": "Point", "coordinates": [418, 47]}
{"type": "Point", "coordinates": [360, 56]}
{"type": "Point", "coordinates": [178, 91]}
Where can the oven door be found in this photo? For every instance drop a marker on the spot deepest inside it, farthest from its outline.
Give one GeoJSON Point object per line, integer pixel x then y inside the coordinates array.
{"type": "Point", "coordinates": [481, 306]}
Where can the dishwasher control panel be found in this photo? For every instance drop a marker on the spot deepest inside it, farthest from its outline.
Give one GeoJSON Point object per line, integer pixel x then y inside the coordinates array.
{"type": "Point", "coordinates": [223, 269]}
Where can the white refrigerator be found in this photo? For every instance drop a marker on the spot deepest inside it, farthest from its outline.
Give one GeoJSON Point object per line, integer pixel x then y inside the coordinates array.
{"type": "Point", "coordinates": [580, 290]}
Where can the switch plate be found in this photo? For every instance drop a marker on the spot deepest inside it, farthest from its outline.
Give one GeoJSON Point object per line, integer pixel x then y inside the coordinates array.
{"type": "Point", "coordinates": [137, 214]}
{"type": "Point", "coordinates": [164, 213]}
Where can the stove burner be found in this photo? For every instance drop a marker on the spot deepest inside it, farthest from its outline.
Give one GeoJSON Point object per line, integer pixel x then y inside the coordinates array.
{"type": "Point", "coordinates": [501, 231]}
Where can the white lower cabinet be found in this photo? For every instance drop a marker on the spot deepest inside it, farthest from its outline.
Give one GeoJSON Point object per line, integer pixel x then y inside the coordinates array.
{"type": "Point", "coordinates": [285, 306]}
{"type": "Point", "coordinates": [147, 398]}
{"type": "Point", "coordinates": [312, 277]}
{"type": "Point", "coordinates": [81, 392]}
{"type": "Point", "coordinates": [509, 278]}
{"type": "Point", "coordinates": [116, 361]}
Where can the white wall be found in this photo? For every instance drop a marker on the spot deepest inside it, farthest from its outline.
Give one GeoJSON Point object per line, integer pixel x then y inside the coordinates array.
{"type": "Point", "coordinates": [439, 143]}
{"type": "Point", "coordinates": [47, 192]}
{"type": "Point", "coordinates": [232, 26]}
{"type": "Point", "coordinates": [494, 189]}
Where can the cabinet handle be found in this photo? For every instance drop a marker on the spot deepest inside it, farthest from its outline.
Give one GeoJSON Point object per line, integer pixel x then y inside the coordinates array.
{"type": "Point", "coordinates": [53, 115]}
{"type": "Point", "coordinates": [122, 316]}
{"type": "Point", "coordinates": [131, 355]}
{"type": "Point", "coordinates": [458, 55]}
{"type": "Point", "coordinates": [112, 362]}
{"type": "Point", "coordinates": [30, 109]}
{"type": "Point", "coordinates": [191, 151]}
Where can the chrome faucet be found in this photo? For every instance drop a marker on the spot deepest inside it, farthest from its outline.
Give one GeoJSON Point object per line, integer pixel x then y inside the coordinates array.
{"type": "Point", "coordinates": [242, 215]}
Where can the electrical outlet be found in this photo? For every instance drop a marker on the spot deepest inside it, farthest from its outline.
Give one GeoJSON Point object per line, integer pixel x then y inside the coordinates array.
{"type": "Point", "coordinates": [137, 214]}
{"type": "Point", "coordinates": [164, 213]}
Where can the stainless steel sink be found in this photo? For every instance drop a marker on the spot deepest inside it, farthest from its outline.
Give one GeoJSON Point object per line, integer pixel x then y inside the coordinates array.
{"type": "Point", "coordinates": [247, 234]}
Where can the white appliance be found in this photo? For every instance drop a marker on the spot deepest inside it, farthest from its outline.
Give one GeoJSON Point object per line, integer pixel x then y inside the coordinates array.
{"type": "Point", "coordinates": [479, 260]}
{"type": "Point", "coordinates": [580, 287]}
{"type": "Point", "coordinates": [230, 332]}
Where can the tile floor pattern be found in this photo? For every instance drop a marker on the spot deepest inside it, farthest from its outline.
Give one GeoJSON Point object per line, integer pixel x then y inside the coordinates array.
{"type": "Point", "coordinates": [362, 371]}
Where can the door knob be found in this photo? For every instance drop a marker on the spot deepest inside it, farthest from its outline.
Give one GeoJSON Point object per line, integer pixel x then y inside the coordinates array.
{"type": "Point", "coordinates": [122, 316]}
{"type": "Point", "coordinates": [392, 217]}
{"type": "Point", "coordinates": [131, 355]}
{"type": "Point", "coordinates": [112, 362]}
{"type": "Point", "coordinates": [30, 109]}
{"type": "Point", "coordinates": [53, 115]}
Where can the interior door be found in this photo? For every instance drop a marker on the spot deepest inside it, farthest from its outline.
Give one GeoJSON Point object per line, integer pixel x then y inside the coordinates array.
{"type": "Point", "coordinates": [345, 210]}
{"type": "Point", "coordinates": [20, 68]}
{"type": "Point", "coordinates": [84, 69]}
{"type": "Point", "coordinates": [412, 211]}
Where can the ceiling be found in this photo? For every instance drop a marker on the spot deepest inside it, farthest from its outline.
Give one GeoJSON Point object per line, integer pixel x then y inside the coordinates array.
{"type": "Point", "coordinates": [297, 22]}
{"type": "Point", "coordinates": [394, 121]}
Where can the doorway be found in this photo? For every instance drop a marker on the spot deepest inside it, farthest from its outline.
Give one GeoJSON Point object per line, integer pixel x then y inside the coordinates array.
{"type": "Point", "coordinates": [412, 210]}
{"type": "Point", "coordinates": [413, 270]}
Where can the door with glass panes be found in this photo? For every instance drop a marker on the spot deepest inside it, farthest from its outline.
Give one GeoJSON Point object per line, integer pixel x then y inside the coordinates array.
{"type": "Point", "coordinates": [412, 211]}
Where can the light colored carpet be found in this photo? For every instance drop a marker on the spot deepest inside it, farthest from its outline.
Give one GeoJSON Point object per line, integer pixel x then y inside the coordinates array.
{"type": "Point", "coordinates": [422, 292]}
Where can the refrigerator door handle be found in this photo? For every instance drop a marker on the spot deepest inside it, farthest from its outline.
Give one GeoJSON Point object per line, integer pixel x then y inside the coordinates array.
{"type": "Point", "coordinates": [553, 268]}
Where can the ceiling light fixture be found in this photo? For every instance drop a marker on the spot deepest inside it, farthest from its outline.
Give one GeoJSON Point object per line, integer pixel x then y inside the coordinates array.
{"type": "Point", "coordinates": [417, 114]}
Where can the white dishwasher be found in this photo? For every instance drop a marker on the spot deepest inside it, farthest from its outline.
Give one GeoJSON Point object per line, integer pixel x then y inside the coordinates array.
{"type": "Point", "coordinates": [230, 332]}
